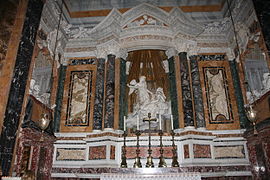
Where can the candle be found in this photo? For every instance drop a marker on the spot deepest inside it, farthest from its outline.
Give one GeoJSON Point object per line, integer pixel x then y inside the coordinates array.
{"type": "Point", "coordinates": [138, 123]}
{"type": "Point", "coordinates": [160, 125]}
{"type": "Point", "coordinates": [172, 121]}
{"type": "Point", "coordinates": [125, 128]}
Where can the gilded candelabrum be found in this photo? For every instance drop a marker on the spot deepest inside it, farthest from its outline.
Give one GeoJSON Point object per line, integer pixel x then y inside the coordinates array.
{"type": "Point", "coordinates": [137, 163]}
{"type": "Point", "coordinates": [174, 151]}
{"type": "Point", "coordinates": [124, 151]}
{"type": "Point", "coordinates": [149, 163]}
{"type": "Point", "coordinates": [162, 162]}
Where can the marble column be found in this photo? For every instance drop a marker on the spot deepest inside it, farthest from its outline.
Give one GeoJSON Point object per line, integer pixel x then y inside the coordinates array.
{"type": "Point", "coordinates": [123, 99]}
{"type": "Point", "coordinates": [238, 94]}
{"type": "Point", "coordinates": [262, 8]}
{"type": "Point", "coordinates": [99, 96]}
{"type": "Point", "coordinates": [186, 91]}
{"type": "Point", "coordinates": [110, 92]}
{"type": "Point", "coordinates": [173, 92]}
{"type": "Point", "coordinates": [197, 92]}
{"type": "Point", "coordinates": [59, 97]}
{"type": "Point", "coordinates": [18, 84]}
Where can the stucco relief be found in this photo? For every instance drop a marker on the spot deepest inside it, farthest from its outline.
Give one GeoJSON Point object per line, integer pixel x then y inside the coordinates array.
{"type": "Point", "coordinates": [145, 20]}
{"type": "Point", "coordinates": [218, 26]}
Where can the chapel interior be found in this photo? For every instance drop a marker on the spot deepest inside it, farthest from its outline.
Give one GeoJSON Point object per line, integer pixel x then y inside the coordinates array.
{"type": "Point", "coordinates": [134, 89]}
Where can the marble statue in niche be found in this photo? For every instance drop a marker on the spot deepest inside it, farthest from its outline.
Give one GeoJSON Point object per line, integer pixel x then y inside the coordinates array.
{"type": "Point", "coordinates": [255, 94]}
{"type": "Point", "coordinates": [40, 84]}
{"type": "Point", "coordinates": [266, 81]}
{"type": "Point", "coordinates": [37, 93]}
{"type": "Point", "coordinates": [242, 35]}
{"type": "Point", "coordinates": [217, 99]}
{"type": "Point", "coordinates": [147, 102]}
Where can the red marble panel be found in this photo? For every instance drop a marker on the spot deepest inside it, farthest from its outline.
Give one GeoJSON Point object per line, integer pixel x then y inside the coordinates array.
{"type": "Point", "coordinates": [31, 138]}
{"type": "Point", "coordinates": [35, 158]}
{"type": "Point", "coordinates": [131, 152]}
{"type": "Point", "coordinates": [97, 152]}
{"type": "Point", "coordinates": [112, 153]}
{"type": "Point", "coordinates": [201, 151]}
{"type": "Point", "coordinates": [266, 147]}
{"type": "Point", "coordinates": [202, 169]}
{"type": "Point", "coordinates": [186, 151]}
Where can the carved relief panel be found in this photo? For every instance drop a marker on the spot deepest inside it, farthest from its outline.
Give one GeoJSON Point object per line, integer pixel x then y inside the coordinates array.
{"type": "Point", "coordinates": [218, 95]}
{"type": "Point", "coordinates": [78, 100]}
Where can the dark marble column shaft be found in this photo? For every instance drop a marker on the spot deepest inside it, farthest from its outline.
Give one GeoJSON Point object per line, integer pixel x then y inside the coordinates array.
{"type": "Point", "coordinates": [123, 99]}
{"type": "Point", "coordinates": [262, 8]}
{"type": "Point", "coordinates": [18, 84]}
{"type": "Point", "coordinates": [59, 97]}
{"type": "Point", "coordinates": [186, 93]}
{"type": "Point", "coordinates": [173, 92]}
{"type": "Point", "coordinates": [197, 92]}
{"type": "Point", "coordinates": [110, 92]}
{"type": "Point", "coordinates": [238, 94]}
{"type": "Point", "coordinates": [99, 96]}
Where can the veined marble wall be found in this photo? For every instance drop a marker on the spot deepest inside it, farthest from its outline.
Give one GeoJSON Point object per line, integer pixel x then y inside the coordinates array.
{"type": "Point", "coordinates": [18, 84]}
{"type": "Point", "coordinates": [78, 98]}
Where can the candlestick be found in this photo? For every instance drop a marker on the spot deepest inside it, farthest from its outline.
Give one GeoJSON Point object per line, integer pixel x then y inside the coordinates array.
{"type": "Point", "coordinates": [125, 128]}
{"type": "Point", "coordinates": [160, 125]}
{"type": "Point", "coordinates": [137, 163]}
{"type": "Point", "coordinates": [162, 162]}
{"type": "Point", "coordinates": [138, 123]}
{"type": "Point", "coordinates": [149, 161]}
{"type": "Point", "coordinates": [124, 151]}
{"type": "Point", "coordinates": [174, 151]}
{"type": "Point", "coordinates": [172, 122]}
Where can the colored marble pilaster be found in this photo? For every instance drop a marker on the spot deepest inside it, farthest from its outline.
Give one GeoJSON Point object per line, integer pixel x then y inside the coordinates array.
{"type": "Point", "coordinates": [59, 97]}
{"type": "Point", "coordinates": [110, 92]}
{"type": "Point", "coordinates": [238, 94]}
{"type": "Point", "coordinates": [98, 107]}
{"type": "Point", "coordinates": [262, 8]}
{"type": "Point", "coordinates": [216, 57]}
{"type": "Point", "coordinates": [186, 93]}
{"type": "Point", "coordinates": [116, 93]}
{"type": "Point", "coordinates": [173, 92]}
{"type": "Point", "coordinates": [82, 61]}
{"type": "Point", "coordinates": [17, 89]}
{"type": "Point", "coordinates": [197, 92]}
{"type": "Point", "coordinates": [123, 101]}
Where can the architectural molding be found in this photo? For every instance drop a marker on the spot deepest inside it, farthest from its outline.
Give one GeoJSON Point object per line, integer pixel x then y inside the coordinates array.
{"type": "Point", "coordinates": [145, 27]}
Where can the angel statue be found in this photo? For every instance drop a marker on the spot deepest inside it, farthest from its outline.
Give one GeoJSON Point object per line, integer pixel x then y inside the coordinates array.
{"type": "Point", "coordinates": [144, 95]}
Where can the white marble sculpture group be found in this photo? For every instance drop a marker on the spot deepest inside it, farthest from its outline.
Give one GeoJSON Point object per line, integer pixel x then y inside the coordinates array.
{"type": "Point", "coordinates": [147, 102]}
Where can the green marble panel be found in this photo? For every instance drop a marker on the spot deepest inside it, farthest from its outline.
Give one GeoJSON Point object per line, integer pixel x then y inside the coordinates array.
{"type": "Point", "coordinates": [173, 92]}
{"type": "Point", "coordinates": [123, 106]}
{"type": "Point", "coordinates": [239, 96]}
{"type": "Point", "coordinates": [59, 97]}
